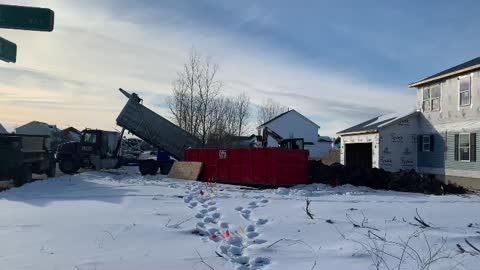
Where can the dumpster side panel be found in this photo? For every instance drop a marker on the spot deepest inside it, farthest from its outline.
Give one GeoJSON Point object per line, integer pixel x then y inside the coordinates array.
{"type": "Point", "coordinates": [259, 166]}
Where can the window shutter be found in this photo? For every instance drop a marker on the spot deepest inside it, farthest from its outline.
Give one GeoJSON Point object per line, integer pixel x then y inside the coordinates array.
{"type": "Point", "coordinates": [431, 142]}
{"type": "Point", "coordinates": [420, 143]}
{"type": "Point", "coordinates": [456, 146]}
{"type": "Point", "coordinates": [473, 147]}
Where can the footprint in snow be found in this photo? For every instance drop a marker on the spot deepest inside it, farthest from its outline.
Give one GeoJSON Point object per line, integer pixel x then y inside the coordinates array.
{"type": "Point", "coordinates": [262, 221]}
{"type": "Point", "coordinates": [246, 216]}
{"type": "Point", "coordinates": [235, 241]}
{"type": "Point", "coordinates": [199, 215]}
{"type": "Point", "coordinates": [235, 251]}
{"type": "Point", "coordinates": [252, 235]}
{"type": "Point", "coordinates": [245, 211]}
{"type": "Point", "coordinates": [193, 204]}
{"type": "Point", "coordinates": [204, 211]}
{"type": "Point", "coordinates": [209, 220]}
{"type": "Point", "coordinates": [211, 203]}
{"type": "Point", "coordinates": [213, 231]}
{"type": "Point", "coordinates": [187, 199]}
{"type": "Point", "coordinates": [223, 225]}
{"type": "Point", "coordinates": [264, 201]}
{"type": "Point", "coordinates": [213, 208]}
{"type": "Point", "coordinates": [250, 228]}
{"type": "Point", "coordinates": [258, 241]}
{"type": "Point", "coordinates": [259, 262]}
{"type": "Point", "coordinates": [216, 215]}
{"type": "Point", "coordinates": [241, 260]}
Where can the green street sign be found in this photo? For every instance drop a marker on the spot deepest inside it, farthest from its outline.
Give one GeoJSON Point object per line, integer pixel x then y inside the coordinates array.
{"type": "Point", "coordinates": [8, 51]}
{"type": "Point", "coordinates": [26, 18]}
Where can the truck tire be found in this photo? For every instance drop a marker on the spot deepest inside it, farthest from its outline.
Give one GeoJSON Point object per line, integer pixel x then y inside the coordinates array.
{"type": "Point", "coordinates": [154, 169]}
{"type": "Point", "coordinates": [148, 167]}
{"type": "Point", "coordinates": [166, 167]}
{"type": "Point", "coordinates": [68, 166]}
{"type": "Point", "coordinates": [22, 175]}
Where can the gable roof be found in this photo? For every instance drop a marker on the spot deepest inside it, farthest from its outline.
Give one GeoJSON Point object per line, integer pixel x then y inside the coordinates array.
{"type": "Point", "coordinates": [377, 123]}
{"type": "Point", "coordinates": [284, 113]}
{"type": "Point", "coordinates": [470, 65]}
{"type": "Point", "coordinates": [324, 139]}
{"type": "Point", "coordinates": [71, 129]}
{"type": "Point", "coordinates": [2, 129]}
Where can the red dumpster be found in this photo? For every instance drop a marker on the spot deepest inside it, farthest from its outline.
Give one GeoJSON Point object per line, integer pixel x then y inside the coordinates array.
{"type": "Point", "coordinates": [256, 166]}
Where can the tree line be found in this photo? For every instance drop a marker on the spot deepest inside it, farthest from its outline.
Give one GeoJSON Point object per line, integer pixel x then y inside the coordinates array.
{"type": "Point", "coordinates": [198, 105]}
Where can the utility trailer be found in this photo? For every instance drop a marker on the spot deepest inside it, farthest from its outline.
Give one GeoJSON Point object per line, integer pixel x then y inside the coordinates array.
{"type": "Point", "coordinates": [22, 155]}
{"type": "Point", "coordinates": [157, 131]}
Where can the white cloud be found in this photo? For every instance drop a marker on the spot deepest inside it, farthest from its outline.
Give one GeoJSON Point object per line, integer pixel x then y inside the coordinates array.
{"type": "Point", "coordinates": [104, 52]}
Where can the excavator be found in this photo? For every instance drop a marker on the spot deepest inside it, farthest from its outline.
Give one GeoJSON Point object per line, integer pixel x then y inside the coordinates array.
{"type": "Point", "coordinates": [291, 143]}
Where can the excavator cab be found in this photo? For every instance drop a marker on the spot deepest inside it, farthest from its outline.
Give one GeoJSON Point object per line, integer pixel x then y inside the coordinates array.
{"type": "Point", "coordinates": [292, 143]}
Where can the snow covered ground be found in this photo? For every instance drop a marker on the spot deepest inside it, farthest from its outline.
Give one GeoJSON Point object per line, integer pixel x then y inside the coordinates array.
{"type": "Point", "coordinates": [121, 220]}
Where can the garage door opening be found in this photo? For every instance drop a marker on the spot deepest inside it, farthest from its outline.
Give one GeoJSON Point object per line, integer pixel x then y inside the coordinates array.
{"type": "Point", "coordinates": [358, 155]}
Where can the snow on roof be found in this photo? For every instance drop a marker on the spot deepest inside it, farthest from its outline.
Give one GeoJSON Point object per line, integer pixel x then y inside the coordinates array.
{"type": "Point", "coordinates": [386, 119]}
{"type": "Point", "coordinates": [378, 122]}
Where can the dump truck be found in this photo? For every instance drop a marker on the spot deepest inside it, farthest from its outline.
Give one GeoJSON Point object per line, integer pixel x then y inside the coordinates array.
{"type": "Point", "coordinates": [22, 155]}
{"type": "Point", "coordinates": [97, 149]}
{"type": "Point", "coordinates": [170, 139]}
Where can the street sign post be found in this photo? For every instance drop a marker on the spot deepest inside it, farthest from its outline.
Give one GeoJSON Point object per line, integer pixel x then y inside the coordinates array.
{"type": "Point", "coordinates": [8, 51]}
{"type": "Point", "coordinates": [26, 18]}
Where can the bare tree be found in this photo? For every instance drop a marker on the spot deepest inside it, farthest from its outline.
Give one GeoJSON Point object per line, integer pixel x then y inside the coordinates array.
{"type": "Point", "coordinates": [208, 90]}
{"type": "Point", "coordinates": [198, 106]}
{"type": "Point", "coordinates": [242, 105]}
{"type": "Point", "coordinates": [268, 110]}
{"type": "Point", "coordinates": [185, 103]}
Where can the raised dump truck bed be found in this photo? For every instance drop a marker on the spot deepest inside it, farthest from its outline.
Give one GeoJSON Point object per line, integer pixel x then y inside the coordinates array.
{"type": "Point", "coordinates": [155, 129]}
{"type": "Point", "coordinates": [22, 155]}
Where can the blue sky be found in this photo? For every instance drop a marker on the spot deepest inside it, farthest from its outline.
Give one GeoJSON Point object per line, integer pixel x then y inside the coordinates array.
{"type": "Point", "coordinates": [337, 62]}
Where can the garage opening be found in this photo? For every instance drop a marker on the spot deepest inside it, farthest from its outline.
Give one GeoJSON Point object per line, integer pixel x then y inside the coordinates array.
{"type": "Point", "coordinates": [358, 155]}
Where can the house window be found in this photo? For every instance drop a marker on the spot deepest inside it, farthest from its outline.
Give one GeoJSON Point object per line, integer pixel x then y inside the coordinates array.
{"type": "Point", "coordinates": [426, 100]}
{"type": "Point", "coordinates": [431, 98]}
{"type": "Point", "coordinates": [426, 144]}
{"type": "Point", "coordinates": [435, 94]}
{"type": "Point", "coordinates": [465, 89]}
{"type": "Point", "coordinates": [464, 147]}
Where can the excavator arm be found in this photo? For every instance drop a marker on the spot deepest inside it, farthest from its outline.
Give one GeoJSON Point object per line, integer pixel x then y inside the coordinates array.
{"type": "Point", "coordinates": [292, 143]}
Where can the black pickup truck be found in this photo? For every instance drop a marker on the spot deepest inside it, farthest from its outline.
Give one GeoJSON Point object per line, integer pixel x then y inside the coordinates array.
{"type": "Point", "coordinates": [22, 155]}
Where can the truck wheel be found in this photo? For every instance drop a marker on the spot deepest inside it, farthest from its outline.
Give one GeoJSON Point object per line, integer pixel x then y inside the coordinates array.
{"type": "Point", "coordinates": [23, 175]}
{"type": "Point", "coordinates": [68, 166]}
{"type": "Point", "coordinates": [154, 169]}
{"type": "Point", "coordinates": [165, 168]}
{"type": "Point", "coordinates": [52, 170]}
{"type": "Point", "coordinates": [148, 167]}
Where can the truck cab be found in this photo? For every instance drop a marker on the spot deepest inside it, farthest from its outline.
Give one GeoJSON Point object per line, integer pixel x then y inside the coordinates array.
{"type": "Point", "coordinates": [97, 149]}
{"type": "Point", "coordinates": [22, 155]}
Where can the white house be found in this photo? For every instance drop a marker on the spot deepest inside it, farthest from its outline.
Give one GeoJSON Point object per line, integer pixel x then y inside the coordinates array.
{"type": "Point", "coordinates": [37, 128]}
{"type": "Point", "coordinates": [292, 124]}
{"type": "Point", "coordinates": [2, 129]}
{"type": "Point", "coordinates": [388, 142]}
